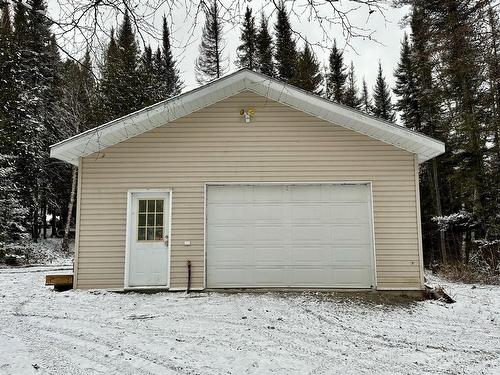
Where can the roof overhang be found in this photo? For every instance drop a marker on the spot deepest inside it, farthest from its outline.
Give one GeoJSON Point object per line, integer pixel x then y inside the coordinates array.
{"type": "Point", "coordinates": [133, 124]}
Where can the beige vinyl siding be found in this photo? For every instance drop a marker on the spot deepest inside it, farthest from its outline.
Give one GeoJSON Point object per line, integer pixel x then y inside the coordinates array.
{"type": "Point", "coordinates": [215, 145]}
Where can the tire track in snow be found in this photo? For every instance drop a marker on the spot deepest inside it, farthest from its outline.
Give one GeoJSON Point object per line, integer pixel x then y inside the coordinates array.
{"type": "Point", "coordinates": [315, 335]}
{"type": "Point", "coordinates": [96, 350]}
{"type": "Point", "coordinates": [100, 344]}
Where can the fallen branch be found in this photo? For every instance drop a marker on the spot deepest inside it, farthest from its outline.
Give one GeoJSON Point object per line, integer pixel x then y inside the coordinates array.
{"type": "Point", "coordinates": [437, 293]}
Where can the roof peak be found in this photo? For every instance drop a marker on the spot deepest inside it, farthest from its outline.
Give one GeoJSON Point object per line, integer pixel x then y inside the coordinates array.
{"type": "Point", "coordinates": [163, 112]}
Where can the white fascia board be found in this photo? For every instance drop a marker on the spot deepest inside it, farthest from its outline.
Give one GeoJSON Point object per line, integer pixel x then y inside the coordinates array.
{"type": "Point", "coordinates": [346, 117]}
{"type": "Point", "coordinates": [148, 118]}
{"type": "Point", "coordinates": [164, 112]}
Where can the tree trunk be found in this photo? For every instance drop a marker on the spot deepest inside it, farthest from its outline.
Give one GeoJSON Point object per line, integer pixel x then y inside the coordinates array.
{"type": "Point", "coordinates": [35, 227]}
{"type": "Point", "coordinates": [36, 213]}
{"type": "Point", "coordinates": [65, 242]}
{"type": "Point", "coordinates": [467, 246]}
{"type": "Point", "coordinates": [439, 210]}
{"type": "Point", "coordinates": [431, 242]}
{"type": "Point", "coordinates": [44, 218]}
{"type": "Point", "coordinates": [53, 232]}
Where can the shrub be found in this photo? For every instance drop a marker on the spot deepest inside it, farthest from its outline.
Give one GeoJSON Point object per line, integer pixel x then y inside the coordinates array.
{"type": "Point", "coordinates": [470, 273]}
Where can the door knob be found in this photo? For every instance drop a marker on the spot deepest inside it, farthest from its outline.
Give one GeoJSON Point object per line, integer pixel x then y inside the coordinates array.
{"type": "Point", "coordinates": [166, 240]}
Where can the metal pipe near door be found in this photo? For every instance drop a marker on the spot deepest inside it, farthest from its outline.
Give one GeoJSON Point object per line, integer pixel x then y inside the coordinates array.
{"type": "Point", "coordinates": [189, 276]}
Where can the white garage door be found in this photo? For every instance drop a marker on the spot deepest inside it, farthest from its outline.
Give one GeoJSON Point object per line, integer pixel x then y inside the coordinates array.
{"type": "Point", "coordinates": [289, 236]}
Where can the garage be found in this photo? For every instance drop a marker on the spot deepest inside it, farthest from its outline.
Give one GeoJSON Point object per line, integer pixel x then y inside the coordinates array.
{"type": "Point", "coordinates": [289, 236]}
{"type": "Point", "coordinates": [303, 193]}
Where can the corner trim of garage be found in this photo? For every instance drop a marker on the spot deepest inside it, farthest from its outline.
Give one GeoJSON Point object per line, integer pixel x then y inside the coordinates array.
{"type": "Point", "coordinates": [419, 222]}
{"type": "Point", "coordinates": [374, 243]}
{"type": "Point", "coordinates": [77, 222]}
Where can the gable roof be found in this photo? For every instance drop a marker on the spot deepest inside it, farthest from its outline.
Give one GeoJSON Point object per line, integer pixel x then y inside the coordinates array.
{"type": "Point", "coordinates": [133, 124]}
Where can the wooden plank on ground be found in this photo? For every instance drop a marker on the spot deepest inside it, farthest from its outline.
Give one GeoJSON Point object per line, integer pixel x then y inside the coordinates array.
{"type": "Point", "coordinates": [59, 280]}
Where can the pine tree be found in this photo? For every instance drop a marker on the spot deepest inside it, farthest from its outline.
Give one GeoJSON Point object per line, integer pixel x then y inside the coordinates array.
{"type": "Point", "coordinates": [88, 92]}
{"type": "Point", "coordinates": [351, 97]}
{"type": "Point", "coordinates": [336, 76]}
{"type": "Point", "coordinates": [449, 47]}
{"type": "Point", "coordinates": [121, 87]}
{"type": "Point", "coordinates": [493, 125]}
{"type": "Point", "coordinates": [170, 83]}
{"type": "Point", "coordinates": [247, 50]}
{"type": "Point", "coordinates": [149, 77]}
{"type": "Point", "coordinates": [366, 101]}
{"type": "Point", "coordinates": [109, 107]}
{"type": "Point", "coordinates": [434, 176]}
{"type": "Point", "coordinates": [6, 53]}
{"type": "Point", "coordinates": [307, 74]}
{"type": "Point", "coordinates": [406, 88]}
{"type": "Point", "coordinates": [463, 76]}
{"type": "Point", "coordinates": [158, 63]}
{"type": "Point", "coordinates": [286, 50]}
{"type": "Point", "coordinates": [128, 82]}
{"type": "Point", "coordinates": [6, 78]}
{"type": "Point", "coordinates": [15, 114]}
{"type": "Point", "coordinates": [264, 46]}
{"type": "Point", "coordinates": [12, 214]}
{"type": "Point", "coordinates": [37, 69]}
{"type": "Point", "coordinates": [493, 63]}
{"type": "Point", "coordinates": [382, 97]}
{"type": "Point", "coordinates": [211, 63]}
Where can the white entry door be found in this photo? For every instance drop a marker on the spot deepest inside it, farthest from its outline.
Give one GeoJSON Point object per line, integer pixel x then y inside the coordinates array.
{"type": "Point", "coordinates": [314, 236]}
{"type": "Point", "coordinates": [149, 239]}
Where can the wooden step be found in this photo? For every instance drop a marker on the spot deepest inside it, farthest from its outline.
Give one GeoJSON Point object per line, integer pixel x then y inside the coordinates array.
{"type": "Point", "coordinates": [61, 282]}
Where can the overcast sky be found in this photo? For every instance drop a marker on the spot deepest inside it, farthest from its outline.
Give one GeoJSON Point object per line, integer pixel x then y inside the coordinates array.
{"type": "Point", "coordinates": [366, 53]}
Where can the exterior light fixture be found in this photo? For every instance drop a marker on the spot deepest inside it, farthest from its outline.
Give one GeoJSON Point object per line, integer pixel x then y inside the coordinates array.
{"type": "Point", "coordinates": [247, 114]}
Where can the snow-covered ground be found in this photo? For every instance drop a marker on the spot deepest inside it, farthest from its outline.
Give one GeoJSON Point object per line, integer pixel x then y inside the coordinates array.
{"type": "Point", "coordinates": [46, 252]}
{"type": "Point", "coordinates": [83, 332]}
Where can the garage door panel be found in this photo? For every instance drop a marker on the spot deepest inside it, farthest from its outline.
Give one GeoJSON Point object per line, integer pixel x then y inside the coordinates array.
{"type": "Point", "coordinates": [269, 193]}
{"type": "Point", "coordinates": [270, 276]}
{"type": "Point", "coordinates": [223, 233]}
{"type": "Point", "coordinates": [306, 193]}
{"type": "Point", "coordinates": [312, 255]}
{"type": "Point", "coordinates": [351, 255]}
{"type": "Point", "coordinates": [236, 193]}
{"type": "Point", "coordinates": [269, 234]}
{"type": "Point", "coordinates": [229, 276]}
{"type": "Point", "coordinates": [307, 213]}
{"type": "Point", "coordinates": [348, 194]}
{"type": "Point", "coordinates": [266, 212]}
{"type": "Point", "coordinates": [355, 212]}
{"type": "Point", "coordinates": [232, 255]}
{"type": "Point", "coordinates": [308, 276]}
{"type": "Point", "coordinates": [351, 234]}
{"type": "Point", "coordinates": [311, 234]}
{"type": "Point", "coordinates": [271, 255]}
{"type": "Point", "coordinates": [226, 213]}
{"type": "Point", "coordinates": [289, 236]}
{"type": "Point", "coordinates": [352, 277]}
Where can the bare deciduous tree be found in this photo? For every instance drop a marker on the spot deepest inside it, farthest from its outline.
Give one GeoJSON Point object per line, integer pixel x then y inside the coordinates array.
{"type": "Point", "coordinates": [85, 22]}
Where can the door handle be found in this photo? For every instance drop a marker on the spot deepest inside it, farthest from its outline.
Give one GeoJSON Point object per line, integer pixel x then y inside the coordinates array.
{"type": "Point", "coordinates": [166, 240]}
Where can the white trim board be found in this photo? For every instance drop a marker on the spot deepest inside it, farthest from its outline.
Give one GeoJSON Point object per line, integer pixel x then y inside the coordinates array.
{"type": "Point", "coordinates": [77, 223]}
{"type": "Point", "coordinates": [164, 112]}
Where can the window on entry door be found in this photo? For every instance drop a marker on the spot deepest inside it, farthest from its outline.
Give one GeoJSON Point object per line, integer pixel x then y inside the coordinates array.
{"type": "Point", "coordinates": [150, 220]}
